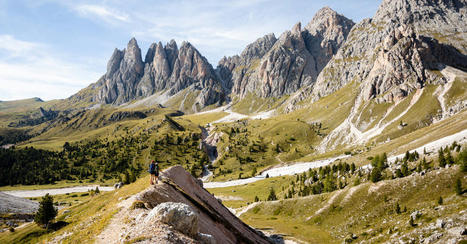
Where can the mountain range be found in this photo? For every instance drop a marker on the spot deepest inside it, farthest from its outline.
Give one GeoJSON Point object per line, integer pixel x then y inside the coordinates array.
{"type": "Point", "coordinates": [332, 132]}
{"type": "Point", "coordinates": [390, 55]}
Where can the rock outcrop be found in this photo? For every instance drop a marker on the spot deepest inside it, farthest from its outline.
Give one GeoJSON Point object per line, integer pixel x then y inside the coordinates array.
{"type": "Point", "coordinates": [404, 63]}
{"type": "Point", "coordinates": [179, 215]}
{"type": "Point", "coordinates": [395, 48]}
{"type": "Point", "coordinates": [165, 68]}
{"type": "Point", "coordinates": [178, 186]}
{"type": "Point", "coordinates": [272, 67]}
{"type": "Point", "coordinates": [124, 71]}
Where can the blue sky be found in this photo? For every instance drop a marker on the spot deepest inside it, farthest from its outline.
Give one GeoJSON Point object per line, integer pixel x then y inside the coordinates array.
{"type": "Point", "coordinates": [53, 48]}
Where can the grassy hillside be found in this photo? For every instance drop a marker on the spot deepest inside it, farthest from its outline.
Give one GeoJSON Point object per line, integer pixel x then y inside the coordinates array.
{"type": "Point", "coordinates": [366, 209]}
{"type": "Point", "coordinates": [84, 221]}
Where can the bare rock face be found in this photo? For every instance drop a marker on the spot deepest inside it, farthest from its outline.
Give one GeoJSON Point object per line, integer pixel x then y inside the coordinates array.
{"type": "Point", "coordinates": [393, 51]}
{"type": "Point", "coordinates": [124, 71]}
{"type": "Point", "coordinates": [287, 66]}
{"type": "Point", "coordinates": [165, 68]}
{"type": "Point", "coordinates": [178, 186]}
{"type": "Point", "coordinates": [327, 32]}
{"type": "Point", "coordinates": [270, 67]}
{"type": "Point", "coordinates": [179, 215]}
{"type": "Point", "coordinates": [236, 71]}
{"type": "Point", "coordinates": [403, 63]}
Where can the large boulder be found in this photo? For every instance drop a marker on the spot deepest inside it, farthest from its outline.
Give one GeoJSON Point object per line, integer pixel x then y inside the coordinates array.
{"type": "Point", "coordinates": [178, 186]}
{"type": "Point", "coordinates": [179, 215]}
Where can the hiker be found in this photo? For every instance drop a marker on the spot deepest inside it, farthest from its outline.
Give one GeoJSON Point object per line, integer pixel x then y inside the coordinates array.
{"type": "Point", "coordinates": [154, 171]}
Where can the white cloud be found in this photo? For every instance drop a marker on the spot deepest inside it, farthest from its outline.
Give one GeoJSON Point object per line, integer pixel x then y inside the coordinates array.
{"type": "Point", "coordinates": [31, 69]}
{"type": "Point", "coordinates": [16, 47]}
{"type": "Point", "coordinates": [102, 12]}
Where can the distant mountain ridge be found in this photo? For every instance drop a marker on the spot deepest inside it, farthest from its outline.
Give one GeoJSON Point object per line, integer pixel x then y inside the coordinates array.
{"type": "Point", "coordinates": [281, 66]}
{"type": "Point", "coordinates": [167, 68]}
{"type": "Point", "coordinates": [269, 67]}
{"type": "Point", "coordinates": [390, 56]}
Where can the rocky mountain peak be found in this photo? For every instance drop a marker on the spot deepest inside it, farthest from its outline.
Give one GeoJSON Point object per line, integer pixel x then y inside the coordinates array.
{"type": "Point", "coordinates": [165, 68]}
{"type": "Point", "coordinates": [114, 61]}
{"type": "Point", "coordinates": [276, 67]}
{"type": "Point", "coordinates": [150, 54]}
{"type": "Point", "coordinates": [297, 28]}
{"type": "Point", "coordinates": [328, 22]}
{"type": "Point", "coordinates": [259, 47]}
{"type": "Point", "coordinates": [432, 15]}
{"type": "Point", "coordinates": [132, 57]}
{"type": "Point", "coordinates": [392, 53]}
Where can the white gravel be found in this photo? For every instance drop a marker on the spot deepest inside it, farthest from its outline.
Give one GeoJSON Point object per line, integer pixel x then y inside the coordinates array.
{"type": "Point", "coordinates": [432, 147]}
{"type": "Point", "coordinates": [13, 204]}
{"type": "Point", "coordinates": [291, 169]}
{"type": "Point", "coordinates": [57, 191]}
{"type": "Point", "coordinates": [460, 137]}
{"type": "Point", "coordinates": [234, 116]}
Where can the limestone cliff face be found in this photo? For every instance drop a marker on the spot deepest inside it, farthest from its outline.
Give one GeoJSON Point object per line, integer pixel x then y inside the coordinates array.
{"type": "Point", "coordinates": [393, 51]}
{"type": "Point", "coordinates": [124, 71]}
{"type": "Point", "coordinates": [275, 67]}
{"type": "Point", "coordinates": [165, 68]}
{"type": "Point", "coordinates": [236, 71]}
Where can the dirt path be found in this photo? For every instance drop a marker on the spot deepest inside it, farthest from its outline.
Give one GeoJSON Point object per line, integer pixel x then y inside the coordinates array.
{"type": "Point", "coordinates": [115, 230]}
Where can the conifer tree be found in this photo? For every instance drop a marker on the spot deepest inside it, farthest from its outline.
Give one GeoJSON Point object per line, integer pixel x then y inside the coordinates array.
{"type": "Point", "coordinates": [405, 169]}
{"type": "Point", "coordinates": [458, 186]}
{"type": "Point", "coordinates": [440, 200]}
{"type": "Point", "coordinates": [441, 159]}
{"type": "Point", "coordinates": [375, 175]}
{"type": "Point", "coordinates": [272, 195]}
{"type": "Point", "coordinates": [425, 163]}
{"type": "Point", "coordinates": [352, 168]}
{"type": "Point", "coordinates": [449, 158]}
{"type": "Point", "coordinates": [46, 211]}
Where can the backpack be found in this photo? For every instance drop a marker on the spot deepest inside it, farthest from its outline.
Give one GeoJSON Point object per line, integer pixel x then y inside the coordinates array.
{"type": "Point", "coordinates": [152, 168]}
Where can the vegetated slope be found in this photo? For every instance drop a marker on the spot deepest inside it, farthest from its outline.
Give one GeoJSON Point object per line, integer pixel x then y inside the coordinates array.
{"type": "Point", "coordinates": [119, 152]}
{"type": "Point", "coordinates": [18, 105]}
{"type": "Point", "coordinates": [370, 212]}
{"type": "Point", "coordinates": [84, 221]}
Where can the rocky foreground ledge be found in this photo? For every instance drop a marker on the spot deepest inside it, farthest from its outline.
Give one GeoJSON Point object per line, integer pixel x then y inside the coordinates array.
{"type": "Point", "coordinates": [177, 210]}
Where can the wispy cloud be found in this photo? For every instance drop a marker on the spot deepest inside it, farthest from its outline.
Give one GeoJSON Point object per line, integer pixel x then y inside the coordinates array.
{"type": "Point", "coordinates": [105, 13]}
{"type": "Point", "coordinates": [29, 69]}
{"type": "Point", "coordinates": [15, 47]}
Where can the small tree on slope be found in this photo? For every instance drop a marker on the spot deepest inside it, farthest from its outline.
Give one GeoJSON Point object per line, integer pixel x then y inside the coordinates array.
{"type": "Point", "coordinates": [46, 211]}
{"type": "Point", "coordinates": [272, 195]}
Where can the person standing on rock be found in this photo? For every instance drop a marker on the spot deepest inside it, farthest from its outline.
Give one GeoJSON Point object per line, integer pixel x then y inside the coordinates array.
{"type": "Point", "coordinates": [154, 171]}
